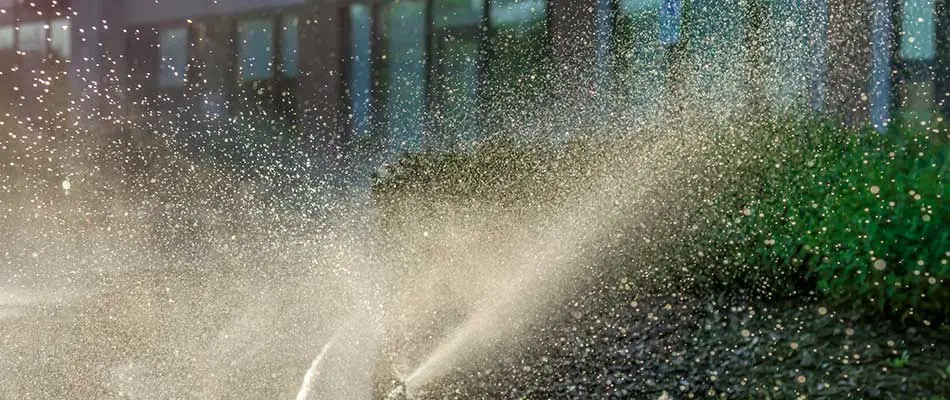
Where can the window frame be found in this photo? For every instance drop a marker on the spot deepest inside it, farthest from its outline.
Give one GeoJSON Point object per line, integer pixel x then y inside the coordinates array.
{"type": "Point", "coordinates": [486, 56]}
{"type": "Point", "coordinates": [279, 83]}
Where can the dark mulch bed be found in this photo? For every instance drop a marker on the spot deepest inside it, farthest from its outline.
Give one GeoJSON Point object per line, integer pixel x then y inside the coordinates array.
{"type": "Point", "coordinates": [723, 347]}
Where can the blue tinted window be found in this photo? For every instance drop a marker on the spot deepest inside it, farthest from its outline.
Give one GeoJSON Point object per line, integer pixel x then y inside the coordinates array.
{"type": "Point", "coordinates": [6, 38]}
{"type": "Point", "coordinates": [33, 37]}
{"type": "Point", "coordinates": [405, 74]}
{"type": "Point", "coordinates": [919, 30]}
{"type": "Point", "coordinates": [173, 51]}
{"type": "Point", "coordinates": [518, 63]}
{"type": "Point", "coordinates": [671, 19]}
{"type": "Point", "coordinates": [256, 49]}
{"type": "Point", "coordinates": [456, 57]}
{"type": "Point", "coordinates": [360, 72]}
{"type": "Point", "coordinates": [603, 33]}
{"type": "Point", "coordinates": [60, 38]}
{"type": "Point", "coordinates": [517, 12]}
{"type": "Point", "coordinates": [789, 73]}
{"type": "Point", "coordinates": [289, 43]}
{"type": "Point", "coordinates": [639, 38]}
{"type": "Point", "coordinates": [454, 13]}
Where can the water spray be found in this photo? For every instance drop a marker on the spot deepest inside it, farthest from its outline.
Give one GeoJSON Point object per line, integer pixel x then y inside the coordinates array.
{"type": "Point", "coordinates": [399, 392]}
{"type": "Point", "coordinates": [314, 370]}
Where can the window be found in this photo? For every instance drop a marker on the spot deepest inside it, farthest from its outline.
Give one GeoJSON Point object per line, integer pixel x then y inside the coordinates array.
{"type": "Point", "coordinates": [404, 77]}
{"type": "Point", "coordinates": [60, 38]}
{"type": "Point", "coordinates": [6, 38]}
{"type": "Point", "coordinates": [918, 50]}
{"type": "Point", "coordinates": [517, 16]}
{"type": "Point", "coordinates": [671, 17]}
{"type": "Point", "coordinates": [211, 58]}
{"type": "Point", "coordinates": [289, 42]}
{"type": "Point", "coordinates": [256, 49]}
{"type": "Point", "coordinates": [360, 69]}
{"type": "Point", "coordinates": [267, 65]}
{"type": "Point", "coordinates": [942, 66]}
{"type": "Point", "coordinates": [519, 54]}
{"type": "Point", "coordinates": [641, 29]}
{"type": "Point", "coordinates": [603, 32]}
{"type": "Point", "coordinates": [457, 63]}
{"type": "Point", "coordinates": [717, 35]}
{"type": "Point", "coordinates": [788, 65]}
{"type": "Point", "coordinates": [173, 56]}
{"type": "Point", "coordinates": [33, 37]}
{"type": "Point", "coordinates": [7, 14]}
{"type": "Point", "coordinates": [918, 39]}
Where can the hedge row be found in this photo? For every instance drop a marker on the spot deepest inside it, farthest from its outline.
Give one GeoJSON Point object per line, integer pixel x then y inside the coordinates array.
{"type": "Point", "coordinates": [783, 208]}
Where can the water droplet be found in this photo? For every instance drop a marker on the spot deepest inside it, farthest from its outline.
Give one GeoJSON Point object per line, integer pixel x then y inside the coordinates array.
{"type": "Point", "coordinates": [880, 264]}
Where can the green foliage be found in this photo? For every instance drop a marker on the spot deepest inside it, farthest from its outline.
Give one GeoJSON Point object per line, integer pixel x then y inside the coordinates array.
{"type": "Point", "coordinates": [773, 209]}
{"type": "Point", "coordinates": [497, 174]}
{"type": "Point", "coordinates": [900, 362]}
{"type": "Point", "coordinates": [858, 212]}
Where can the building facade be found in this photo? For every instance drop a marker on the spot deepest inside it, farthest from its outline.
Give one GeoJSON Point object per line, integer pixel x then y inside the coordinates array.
{"type": "Point", "coordinates": [399, 71]}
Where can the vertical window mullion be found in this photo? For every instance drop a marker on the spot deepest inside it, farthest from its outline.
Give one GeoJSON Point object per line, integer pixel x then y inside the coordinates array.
{"type": "Point", "coordinates": [233, 71]}
{"type": "Point", "coordinates": [484, 51]}
{"type": "Point", "coordinates": [377, 49]}
{"type": "Point", "coordinates": [359, 71]}
{"type": "Point", "coordinates": [346, 38]}
{"type": "Point", "coordinates": [277, 65]}
{"type": "Point", "coordinates": [48, 40]}
{"type": "Point", "coordinates": [427, 88]}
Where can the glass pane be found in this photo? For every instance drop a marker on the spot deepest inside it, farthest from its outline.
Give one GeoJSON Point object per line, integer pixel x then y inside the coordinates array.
{"type": "Point", "coordinates": [516, 14]}
{"type": "Point", "coordinates": [640, 52]}
{"type": "Point", "coordinates": [289, 42]}
{"type": "Point", "coordinates": [789, 75]}
{"type": "Point", "coordinates": [671, 19]}
{"type": "Point", "coordinates": [458, 90]}
{"type": "Point", "coordinates": [918, 50]}
{"type": "Point", "coordinates": [456, 49]}
{"type": "Point", "coordinates": [255, 42]}
{"type": "Point", "coordinates": [7, 14]}
{"type": "Point", "coordinates": [60, 38]}
{"type": "Point", "coordinates": [173, 51]}
{"type": "Point", "coordinates": [919, 30]}
{"type": "Point", "coordinates": [604, 31]}
{"type": "Point", "coordinates": [716, 47]}
{"type": "Point", "coordinates": [360, 68]}
{"type": "Point", "coordinates": [211, 53]}
{"type": "Point", "coordinates": [457, 13]}
{"type": "Point", "coordinates": [405, 75]}
{"type": "Point", "coordinates": [33, 37]}
{"type": "Point", "coordinates": [518, 39]}
{"type": "Point", "coordinates": [6, 38]}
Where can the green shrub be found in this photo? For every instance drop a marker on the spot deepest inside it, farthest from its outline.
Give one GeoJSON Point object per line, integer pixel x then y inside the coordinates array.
{"type": "Point", "coordinates": [884, 238]}
{"type": "Point", "coordinates": [858, 213]}
{"type": "Point", "coordinates": [776, 209]}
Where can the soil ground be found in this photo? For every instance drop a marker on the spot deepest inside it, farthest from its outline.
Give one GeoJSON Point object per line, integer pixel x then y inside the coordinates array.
{"type": "Point", "coordinates": [673, 347]}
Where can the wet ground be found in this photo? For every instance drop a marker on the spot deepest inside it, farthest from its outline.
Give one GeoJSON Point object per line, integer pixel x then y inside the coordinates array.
{"type": "Point", "coordinates": [691, 347]}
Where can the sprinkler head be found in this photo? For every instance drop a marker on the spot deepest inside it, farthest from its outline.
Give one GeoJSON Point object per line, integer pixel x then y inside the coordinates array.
{"type": "Point", "coordinates": [398, 393]}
